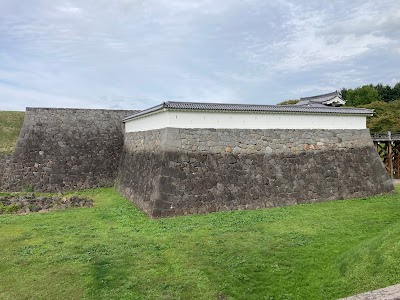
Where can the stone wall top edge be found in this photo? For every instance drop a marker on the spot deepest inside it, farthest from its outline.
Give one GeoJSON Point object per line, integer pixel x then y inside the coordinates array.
{"type": "Point", "coordinates": [79, 109]}
{"type": "Point", "coordinates": [243, 129]}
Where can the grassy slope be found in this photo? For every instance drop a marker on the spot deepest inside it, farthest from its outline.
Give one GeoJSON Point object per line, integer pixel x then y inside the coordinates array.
{"type": "Point", "coordinates": [112, 251]}
{"type": "Point", "coordinates": [10, 126]}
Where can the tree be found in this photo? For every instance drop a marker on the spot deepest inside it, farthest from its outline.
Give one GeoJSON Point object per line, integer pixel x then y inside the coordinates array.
{"type": "Point", "coordinates": [362, 96]}
{"type": "Point", "coordinates": [386, 116]}
{"type": "Point", "coordinates": [344, 93]}
{"type": "Point", "coordinates": [385, 92]}
{"type": "Point", "coordinates": [289, 102]}
{"type": "Point", "coordinates": [396, 92]}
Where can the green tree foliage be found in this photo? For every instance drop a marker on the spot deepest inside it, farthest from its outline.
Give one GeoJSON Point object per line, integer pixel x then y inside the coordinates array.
{"type": "Point", "coordinates": [396, 92]}
{"type": "Point", "coordinates": [362, 96]}
{"type": "Point", "coordinates": [289, 102]}
{"type": "Point", "coordinates": [386, 116]}
{"type": "Point", "coordinates": [383, 99]}
{"type": "Point", "coordinates": [385, 91]}
{"type": "Point", "coordinates": [371, 93]}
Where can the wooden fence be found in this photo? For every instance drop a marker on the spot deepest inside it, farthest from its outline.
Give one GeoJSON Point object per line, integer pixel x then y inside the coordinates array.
{"type": "Point", "coordinates": [388, 147]}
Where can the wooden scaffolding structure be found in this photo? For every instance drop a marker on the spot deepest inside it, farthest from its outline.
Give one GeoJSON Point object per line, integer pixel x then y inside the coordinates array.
{"type": "Point", "coordinates": [388, 147]}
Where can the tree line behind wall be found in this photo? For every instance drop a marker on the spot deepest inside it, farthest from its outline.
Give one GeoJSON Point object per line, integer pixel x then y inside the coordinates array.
{"type": "Point", "coordinates": [383, 99]}
{"type": "Point", "coordinates": [367, 94]}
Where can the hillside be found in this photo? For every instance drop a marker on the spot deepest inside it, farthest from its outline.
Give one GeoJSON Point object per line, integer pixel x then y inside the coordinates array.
{"type": "Point", "coordinates": [10, 126]}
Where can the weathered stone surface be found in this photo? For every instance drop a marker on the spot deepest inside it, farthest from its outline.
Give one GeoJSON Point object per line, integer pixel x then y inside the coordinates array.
{"type": "Point", "coordinates": [140, 169]}
{"type": "Point", "coordinates": [5, 166]}
{"type": "Point", "coordinates": [183, 171]}
{"type": "Point", "coordinates": [65, 149]}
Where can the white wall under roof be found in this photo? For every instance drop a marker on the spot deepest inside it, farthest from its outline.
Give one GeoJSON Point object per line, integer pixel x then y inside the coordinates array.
{"type": "Point", "coordinates": [244, 120]}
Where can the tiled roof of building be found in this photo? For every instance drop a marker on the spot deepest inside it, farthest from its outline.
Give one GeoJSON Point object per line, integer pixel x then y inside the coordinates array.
{"type": "Point", "coordinates": [322, 100]}
{"type": "Point", "coordinates": [224, 107]}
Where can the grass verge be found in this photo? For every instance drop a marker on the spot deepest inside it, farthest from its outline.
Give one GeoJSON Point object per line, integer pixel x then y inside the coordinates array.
{"type": "Point", "coordinates": [10, 126]}
{"type": "Point", "coordinates": [113, 251]}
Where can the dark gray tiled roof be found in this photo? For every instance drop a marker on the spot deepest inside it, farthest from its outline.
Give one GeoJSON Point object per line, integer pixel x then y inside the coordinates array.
{"type": "Point", "coordinates": [324, 97]}
{"type": "Point", "coordinates": [199, 106]}
{"type": "Point", "coordinates": [319, 99]}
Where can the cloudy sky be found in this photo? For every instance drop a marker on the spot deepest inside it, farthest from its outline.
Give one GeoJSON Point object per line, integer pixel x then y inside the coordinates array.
{"type": "Point", "coordinates": [132, 54]}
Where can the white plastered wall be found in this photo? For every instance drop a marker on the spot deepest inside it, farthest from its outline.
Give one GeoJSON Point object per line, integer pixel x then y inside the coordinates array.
{"type": "Point", "coordinates": [243, 120]}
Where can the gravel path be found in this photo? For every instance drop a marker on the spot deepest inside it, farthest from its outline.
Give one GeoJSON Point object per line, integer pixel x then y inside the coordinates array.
{"type": "Point", "coordinates": [388, 293]}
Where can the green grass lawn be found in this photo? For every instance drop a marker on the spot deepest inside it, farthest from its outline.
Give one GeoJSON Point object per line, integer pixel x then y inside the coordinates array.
{"type": "Point", "coordinates": [10, 126]}
{"type": "Point", "coordinates": [113, 251]}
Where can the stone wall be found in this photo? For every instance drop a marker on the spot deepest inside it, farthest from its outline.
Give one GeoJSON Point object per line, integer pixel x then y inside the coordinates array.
{"type": "Point", "coordinates": [182, 171]}
{"type": "Point", "coordinates": [140, 170]}
{"type": "Point", "coordinates": [5, 165]}
{"type": "Point", "coordinates": [65, 149]}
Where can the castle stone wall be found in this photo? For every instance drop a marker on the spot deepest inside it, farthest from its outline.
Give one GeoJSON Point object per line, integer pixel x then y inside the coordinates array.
{"type": "Point", "coordinates": [5, 165]}
{"type": "Point", "coordinates": [65, 149]}
{"type": "Point", "coordinates": [140, 171]}
{"type": "Point", "coordinates": [183, 171]}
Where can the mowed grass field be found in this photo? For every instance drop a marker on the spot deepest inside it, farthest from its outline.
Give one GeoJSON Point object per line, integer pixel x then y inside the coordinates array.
{"type": "Point", "coordinates": [113, 251]}
{"type": "Point", "coordinates": [10, 126]}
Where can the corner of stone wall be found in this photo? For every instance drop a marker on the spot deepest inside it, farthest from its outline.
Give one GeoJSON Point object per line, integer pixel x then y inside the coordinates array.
{"type": "Point", "coordinates": [170, 137]}
{"type": "Point", "coordinates": [8, 180]}
{"type": "Point", "coordinates": [140, 173]}
{"type": "Point", "coordinates": [29, 122]}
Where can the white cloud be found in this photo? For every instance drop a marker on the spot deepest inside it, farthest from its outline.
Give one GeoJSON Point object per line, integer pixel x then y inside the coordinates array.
{"type": "Point", "coordinates": [13, 98]}
{"type": "Point", "coordinates": [307, 89]}
{"type": "Point", "coordinates": [69, 9]}
{"type": "Point", "coordinates": [136, 53]}
{"type": "Point", "coordinates": [316, 37]}
{"type": "Point", "coordinates": [309, 50]}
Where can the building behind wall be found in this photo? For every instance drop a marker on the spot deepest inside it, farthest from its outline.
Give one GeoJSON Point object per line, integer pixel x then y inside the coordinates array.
{"type": "Point", "coordinates": [182, 158]}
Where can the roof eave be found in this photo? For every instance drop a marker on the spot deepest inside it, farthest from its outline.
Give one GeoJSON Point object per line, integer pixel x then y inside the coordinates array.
{"type": "Point", "coordinates": [150, 110]}
{"type": "Point", "coordinates": [311, 98]}
{"type": "Point", "coordinates": [163, 107]}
